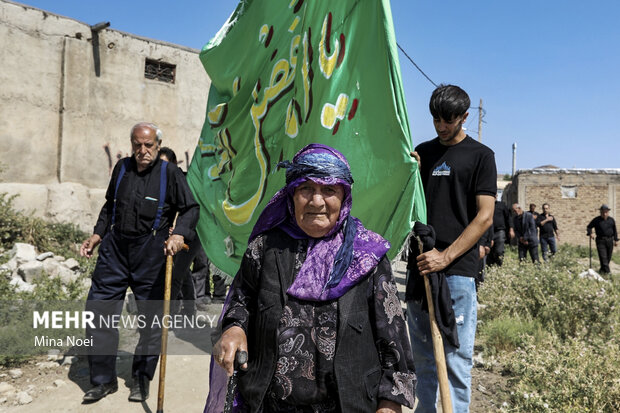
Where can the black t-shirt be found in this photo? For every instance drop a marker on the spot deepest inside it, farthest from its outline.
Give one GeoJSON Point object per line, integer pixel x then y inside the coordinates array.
{"type": "Point", "coordinates": [547, 230]}
{"type": "Point", "coordinates": [501, 217]}
{"type": "Point", "coordinates": [452, 176]}
{"type": "Point", "coordinates": [603, 227]}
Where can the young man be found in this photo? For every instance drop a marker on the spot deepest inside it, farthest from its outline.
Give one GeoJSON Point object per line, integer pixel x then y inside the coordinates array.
{"type": "Point", "coordinates": [549, 233]}
{"type": "Point", "coordinates": [606, 237]}
{"type": "Point", "coordinates": [460, 181]}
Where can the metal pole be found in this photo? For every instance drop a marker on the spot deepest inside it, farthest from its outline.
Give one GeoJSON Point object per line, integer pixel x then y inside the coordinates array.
{"type": "Point", "coordinates": [514, 158]}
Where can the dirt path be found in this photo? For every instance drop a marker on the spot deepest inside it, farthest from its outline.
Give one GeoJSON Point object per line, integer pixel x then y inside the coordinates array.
{"type": "Point", "coordinates": [186, 388]}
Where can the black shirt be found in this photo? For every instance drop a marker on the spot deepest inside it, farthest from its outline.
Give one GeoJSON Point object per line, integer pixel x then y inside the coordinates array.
{"type": "Point", "coordinates": [452, 176]}
{"type": "Point", "coordinates": [487, 237]}
{"type": "Point", "coordinates": [603, 227]}
{"type": "Point", "coordinates": [501, 217]}
{"type": "Point", "coordinates": [137, 202]}
{"type": "Point", "coordinates": [547, 230]}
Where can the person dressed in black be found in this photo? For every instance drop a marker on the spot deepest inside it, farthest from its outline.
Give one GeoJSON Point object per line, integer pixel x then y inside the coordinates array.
{"type": "Point", "coordinates": [502, 225]}
{"type": "Point", "coordinates": [460, 182]}
{"type": "Point", "coordinates": [533, 211]}
{"type": "Point", "coordinates": [142, 199]}
{"type": "Point", "coordinates": [525, 232]}
{"type": "Point", "coordinates": [606, 237]}
{"type": "Point", "coordinates": [203, 288]}
{"type": "Point", "coordinates": [549, 233]}
{"type": "Point", "coordinates": [191, 286]}
{"type": "Point", "coordinates": [485, 246]}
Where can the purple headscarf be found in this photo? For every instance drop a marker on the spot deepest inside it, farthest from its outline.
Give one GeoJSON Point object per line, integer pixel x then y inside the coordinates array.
{"type": "Point", "coordinates": [348, 252]}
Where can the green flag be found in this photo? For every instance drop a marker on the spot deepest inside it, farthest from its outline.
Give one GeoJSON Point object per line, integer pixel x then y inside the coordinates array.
{"type": "Point", "coordinates": [288, 73]}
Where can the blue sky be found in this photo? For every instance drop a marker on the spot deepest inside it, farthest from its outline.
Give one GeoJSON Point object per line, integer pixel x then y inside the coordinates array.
{"type": "Point", "coordinates": [547, 70]}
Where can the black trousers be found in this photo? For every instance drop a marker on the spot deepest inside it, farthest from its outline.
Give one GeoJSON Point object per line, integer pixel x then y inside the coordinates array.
{"type": "Point", "coordinates": [604, 247]}
{"type": "Point", "coordinates": [496, 255]}
{"type": "Point", "coordinates": [533, 250]}
{"type": "Point", "coordinates": [194, 284]}
{"type": "Point", "coordinates": [124, 262]}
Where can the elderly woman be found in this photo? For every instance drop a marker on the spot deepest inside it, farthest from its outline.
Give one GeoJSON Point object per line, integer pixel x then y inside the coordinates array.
{"type": "Point", "coordinates": [315, 304]}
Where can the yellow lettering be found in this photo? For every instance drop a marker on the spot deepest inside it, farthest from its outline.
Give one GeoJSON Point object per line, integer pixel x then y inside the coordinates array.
{"type": "Point", "coordinates": [294, 24]}
{"type": "Point", "coordinates": [305, 73]}
{"type": "Point", "coordinates": [331, 113]}
{"type": "Point", "coordinates": [292, 122]}
{"type": "Point", "coordinates": [262, 33]}
{"type": "Point", "coordinates": [327, 63]}
{"type": "Point", "coordinates": [236, 85]}
{"type": "Point", "coordinates": [217, 115]}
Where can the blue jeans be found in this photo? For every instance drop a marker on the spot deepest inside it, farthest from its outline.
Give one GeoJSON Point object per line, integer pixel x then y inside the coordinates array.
{"type": "Point", "coordinates": [459, 360]}
{"type": "Point", "coordinates": [547, 244]}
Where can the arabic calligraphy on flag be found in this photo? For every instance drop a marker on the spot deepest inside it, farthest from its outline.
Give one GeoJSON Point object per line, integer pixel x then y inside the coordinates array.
{"type": "Point", "coordinates": [288, 73]}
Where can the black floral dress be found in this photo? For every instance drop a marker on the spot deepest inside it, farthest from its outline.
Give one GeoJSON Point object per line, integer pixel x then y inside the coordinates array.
{"type": "Point", "coordinates": [304, 380]}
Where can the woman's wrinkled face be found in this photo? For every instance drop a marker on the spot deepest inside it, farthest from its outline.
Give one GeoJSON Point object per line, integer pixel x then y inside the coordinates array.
{"type": "Point", "coordinates": [317, 207]}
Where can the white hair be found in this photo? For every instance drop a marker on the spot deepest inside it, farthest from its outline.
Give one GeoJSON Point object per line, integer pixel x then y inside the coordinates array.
{"type": "Point", "coordinates": [152, 126]}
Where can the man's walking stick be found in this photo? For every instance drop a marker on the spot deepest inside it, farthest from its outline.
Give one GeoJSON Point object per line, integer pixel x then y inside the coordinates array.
{"type": "Point", "coordinates": [164, 333]}
{"type": "Point", "coordinates": [440, 356]}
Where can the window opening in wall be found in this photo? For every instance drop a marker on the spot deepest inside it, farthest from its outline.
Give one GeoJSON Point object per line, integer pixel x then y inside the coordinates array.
{"type": "Point", "coordinates": [162, 71]}
{"type": "Point", "coordinates": [569, 191]}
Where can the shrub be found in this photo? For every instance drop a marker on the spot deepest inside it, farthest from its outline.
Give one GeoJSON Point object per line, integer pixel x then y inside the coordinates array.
{"type": "Point", "coordinates": [60, 238]}
{"type": "Point", "coordinates": [506, 334]}
{"type": "Point", "coordinates": [554, 295]}
{"type": "Point", "coordinates": [11, 222]}
{"type": "Point", "coordinates": [565, 376]}
{"type": "Point", "coordinates": [554, 334]}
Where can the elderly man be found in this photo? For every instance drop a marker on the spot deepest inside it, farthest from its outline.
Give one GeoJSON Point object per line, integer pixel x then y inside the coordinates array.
{"type": "Point", "coordinates": [143, 197]}
{"type": "Point", "coordinates": [526, 233]}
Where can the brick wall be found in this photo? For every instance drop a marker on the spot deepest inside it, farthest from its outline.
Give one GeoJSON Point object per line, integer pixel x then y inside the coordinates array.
{"type": "Point", "coordinates": [592, 188]}
{"type": "Point", "coordinates": [572, 214]}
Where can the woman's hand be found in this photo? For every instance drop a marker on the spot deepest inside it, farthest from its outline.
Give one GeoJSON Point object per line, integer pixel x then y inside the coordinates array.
{"type": "Point", "coordinates": [387, 406]}
{"type": "Point", "coordinates": [232, 340]}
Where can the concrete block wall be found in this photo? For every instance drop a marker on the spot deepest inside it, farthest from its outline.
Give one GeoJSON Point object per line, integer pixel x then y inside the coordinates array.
{"type": "Point", "coordinates": [62, 124]}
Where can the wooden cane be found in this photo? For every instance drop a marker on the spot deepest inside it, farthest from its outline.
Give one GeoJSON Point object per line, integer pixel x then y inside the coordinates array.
{"type": "Point", "coordinates": [590, 238]}
{"type": "Point", "coordinates": [440, 356]}
{"type": "Point", "coordinates": [164, 333]}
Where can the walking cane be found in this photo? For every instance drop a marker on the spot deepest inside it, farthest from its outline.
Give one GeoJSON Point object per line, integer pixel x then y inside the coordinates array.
{"type": "Point", "coordinates": [590, 238]}
{"type": "Point", "coordinates": [164, 333]}
{"type": "Point", "coordinates": [241, 357]}
{"type": "Point", "coordinates": [440, 357]}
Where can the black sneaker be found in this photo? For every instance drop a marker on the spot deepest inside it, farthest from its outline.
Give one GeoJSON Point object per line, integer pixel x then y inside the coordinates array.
{"type": "Point", "coordinates": [100, 391]}
{"type": "Point", "coordinates": [139, 390]}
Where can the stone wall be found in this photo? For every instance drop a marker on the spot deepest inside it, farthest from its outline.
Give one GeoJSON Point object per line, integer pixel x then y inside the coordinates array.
{"type": "Point", "coordinates": [63, 126]}
{"type": "Point", "coordinates": [591, 188]}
